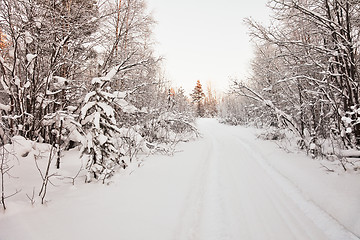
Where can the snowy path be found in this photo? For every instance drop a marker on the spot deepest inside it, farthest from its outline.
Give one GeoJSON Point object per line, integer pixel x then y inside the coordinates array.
{"type": "Point", "coordinates": [218, 188]}
{"type": "Point", "coordinates": [238, 197]}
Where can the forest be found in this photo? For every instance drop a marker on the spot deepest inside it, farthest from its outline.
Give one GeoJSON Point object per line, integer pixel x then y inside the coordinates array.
{"type": "Point", "coordinates": [83, 74]}
{"type": "Point", "coordinates": [305, 76]}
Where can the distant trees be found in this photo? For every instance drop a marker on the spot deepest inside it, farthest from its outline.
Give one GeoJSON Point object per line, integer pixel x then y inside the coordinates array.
{"type": "Point", "coordinates": [178, 101]}
{"type": "Point", "coordinates": [210, 102]}
{"type": "Point", "coordinates": [234, 110]}
{"type": "Point", "coordinates": [306, 70]}
{"type": "Point", "coordinates": [205, 104]}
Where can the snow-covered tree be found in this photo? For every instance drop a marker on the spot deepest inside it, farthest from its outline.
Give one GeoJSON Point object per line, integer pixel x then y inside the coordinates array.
{"type": "Point", "coordinates": [97, 117]}
{"type": "Point", "coordinates": [47, 42]}
{"type": "Point", "coordinates": [53, 48]}
{"type": "Point", "coordinates": [182, 102]}
{"type": "Point", "coordinates": [306, 69]}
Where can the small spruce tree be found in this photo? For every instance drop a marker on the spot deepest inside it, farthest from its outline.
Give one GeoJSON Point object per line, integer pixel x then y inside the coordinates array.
{"type": "Point", "coordinates": [99, 122]}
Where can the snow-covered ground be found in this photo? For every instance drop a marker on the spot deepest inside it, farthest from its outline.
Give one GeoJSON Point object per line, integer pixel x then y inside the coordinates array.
{"type": "Point", "coordinates": [226, 185]}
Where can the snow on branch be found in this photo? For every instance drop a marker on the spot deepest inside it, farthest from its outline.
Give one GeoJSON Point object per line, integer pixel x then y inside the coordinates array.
{"type": "Point", "coordinates": [285, 119]}
{"type": "Point", "coordinates": [5, 108]}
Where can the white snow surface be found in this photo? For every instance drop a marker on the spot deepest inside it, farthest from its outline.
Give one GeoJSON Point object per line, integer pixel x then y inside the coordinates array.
{"type": "Point", "coordinates": [59, 82]}
{"type": "Point", "coordinates": [226, 185]}
{"type": "Point", "coordinates": [30, 57]}
{"type": "Point", "coordinates": [5, 107]}
{"type": "Point", "coordinates": [28, 38]}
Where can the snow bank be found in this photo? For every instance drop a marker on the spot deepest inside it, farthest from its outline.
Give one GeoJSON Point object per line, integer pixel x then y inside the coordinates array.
{"type": "Point", "coordinates": [19, 146]}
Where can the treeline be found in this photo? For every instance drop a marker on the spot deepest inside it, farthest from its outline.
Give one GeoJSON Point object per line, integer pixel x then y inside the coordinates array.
{"type": "Point", "coordinates": [80, 72]}
{"type": "Point", "coordinates": [305, 76]}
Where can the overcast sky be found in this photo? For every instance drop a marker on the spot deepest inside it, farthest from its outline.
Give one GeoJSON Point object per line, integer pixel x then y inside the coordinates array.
{"type": "Point", "coordinates": [205, 40]}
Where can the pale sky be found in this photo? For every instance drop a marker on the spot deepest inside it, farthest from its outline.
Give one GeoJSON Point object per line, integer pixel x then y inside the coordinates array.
{"type": "Point", "coordinates": [205, 40]}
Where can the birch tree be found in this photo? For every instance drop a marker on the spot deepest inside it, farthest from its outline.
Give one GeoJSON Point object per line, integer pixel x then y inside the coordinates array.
{"type": "Point", "coordinates": [311, 73]}
{"type": "Point", "coordinates": [46, 53]}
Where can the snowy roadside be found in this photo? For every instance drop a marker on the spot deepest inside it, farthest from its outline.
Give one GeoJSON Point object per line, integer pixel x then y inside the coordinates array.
{"type": "Point", "coordinates": [142, 202]}
{"type": "Point", "coordinates": [337, 193]}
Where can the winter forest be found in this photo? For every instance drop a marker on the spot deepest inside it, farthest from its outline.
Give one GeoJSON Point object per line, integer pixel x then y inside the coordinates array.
{"type": "Point", "coordinates": [85, 107]}
{"type": "Point", "coordinates": [305, 74]}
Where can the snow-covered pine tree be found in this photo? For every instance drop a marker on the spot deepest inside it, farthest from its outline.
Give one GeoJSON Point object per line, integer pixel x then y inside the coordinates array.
{"type": "Point", "coordinates": [99, 123]}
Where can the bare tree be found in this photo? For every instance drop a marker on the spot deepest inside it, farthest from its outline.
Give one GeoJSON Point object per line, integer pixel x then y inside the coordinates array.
{"type": "Point", "coordinates": [5, 167]}
{"type": "Point", "coordinates": [46, 175]}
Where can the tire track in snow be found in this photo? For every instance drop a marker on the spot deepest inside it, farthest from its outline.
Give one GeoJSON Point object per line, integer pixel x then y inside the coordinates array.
{"type": "Point", "coordinates": [203, 215]}
{"type": "Point", "coordinates": [257, 209]}
{"type": "Point", "coordinates": [330, 226]}
{"type": "Point", "coordinates": [190, 215]}
{"type": "Point", "coordinates": [235, 194]}
{"type": "Point", "coordinates": [214, 222]}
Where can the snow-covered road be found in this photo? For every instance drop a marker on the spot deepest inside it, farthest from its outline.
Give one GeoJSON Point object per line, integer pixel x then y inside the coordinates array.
{"type": "Point", "coordinates": [235, 195]}
{"type": "Point", "coordinates": [219, 187]}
